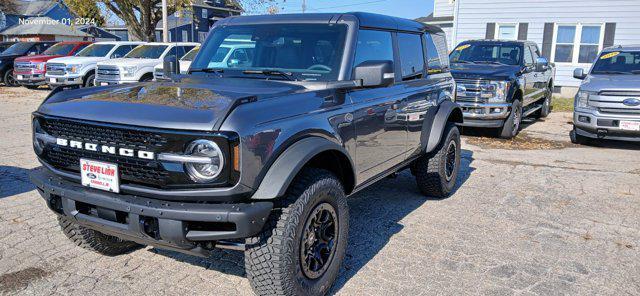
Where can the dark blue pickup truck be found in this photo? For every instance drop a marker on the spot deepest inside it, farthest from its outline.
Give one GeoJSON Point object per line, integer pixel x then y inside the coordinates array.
{"type": "Point", "coordinates": [500, 82]}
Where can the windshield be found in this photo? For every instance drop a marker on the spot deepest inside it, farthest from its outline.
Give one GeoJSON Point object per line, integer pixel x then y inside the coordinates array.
{"type": "Point", "coordinates": [18, 49]}
{"type": "Point", "coordinates": [494, 53]}
{"type": "Point", "coordinates": [95, 50]}
{"type": "Point", "coordinates": [310, 52]}
{"type": "Point", "coordinates": [147, 52]}
{"type": "Point", "coordinates": [59, 49]}
{"type": "Point", "coordinates": [618, 62]}
{"type": "Point", "coordinates": [190, 55]}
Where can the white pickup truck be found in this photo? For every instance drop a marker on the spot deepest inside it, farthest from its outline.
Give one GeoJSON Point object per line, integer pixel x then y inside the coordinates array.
{"type": "Point", "coordinates": [185, 63]}
{"type": "Point", "coordinates": [81, 68]}
{"type": "Point", "coordinates": [139, 63]}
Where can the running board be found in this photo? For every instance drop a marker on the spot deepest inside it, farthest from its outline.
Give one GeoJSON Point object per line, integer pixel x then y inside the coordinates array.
{"type": "Point", "coordinates": [530, 111]}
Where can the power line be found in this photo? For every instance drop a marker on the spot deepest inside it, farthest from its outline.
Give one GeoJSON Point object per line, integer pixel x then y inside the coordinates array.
{"type": "Point", "coordinates": [338, 6]}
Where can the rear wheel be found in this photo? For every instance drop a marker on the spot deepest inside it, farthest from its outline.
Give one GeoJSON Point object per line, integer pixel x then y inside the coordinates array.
{"type": "Point", "coordinates": [436, 175]}
{"type": "Point", "coordinates": [511, 126]}
{"type": "Point", "coordinates": [9, 80]}
{"type": "Point", "coordinates": [301, 248]}
{"type": "Point", "coordinates": [95, 241]}
{"type": "Point", "coordinates": [546, 105]}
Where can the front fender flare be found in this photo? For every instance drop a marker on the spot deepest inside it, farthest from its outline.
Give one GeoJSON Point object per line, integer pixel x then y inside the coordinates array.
{"type": "Point", "coordinates": [287, 166]}
{"type": "Point", "coordinates": [447, 110]}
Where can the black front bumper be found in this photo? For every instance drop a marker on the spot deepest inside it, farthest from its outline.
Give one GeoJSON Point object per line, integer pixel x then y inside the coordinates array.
{"type": "Point", "coordinates": [192, 228]}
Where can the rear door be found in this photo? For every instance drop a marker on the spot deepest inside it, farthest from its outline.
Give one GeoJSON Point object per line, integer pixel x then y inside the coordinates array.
{"type": "Point", "coordinates": [531, 92]}
{"type": "Point", "coordinates": [380, 136]}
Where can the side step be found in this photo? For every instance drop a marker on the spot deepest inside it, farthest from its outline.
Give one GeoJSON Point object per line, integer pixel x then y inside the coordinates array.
{"type": "Point", "coordinates": [530, 111]}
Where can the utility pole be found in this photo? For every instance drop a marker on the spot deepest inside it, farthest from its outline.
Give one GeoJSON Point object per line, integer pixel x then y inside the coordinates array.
{"type": "Point", "coordinates": [165, 22]}
{"type": "Point", "coordinates": [304, 6]}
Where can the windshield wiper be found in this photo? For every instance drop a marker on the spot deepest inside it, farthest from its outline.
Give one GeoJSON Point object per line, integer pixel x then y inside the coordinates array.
{"type": "Point", "coordinates": [207, 70]}
{"type": "Point", "coordinates": [635, 71]}
{"type": "Point", "coordinates": [610, 72]}
{"type": "Point", "coordinates": [286, 75]}
{"type": "Point", "coordinates": [463, 62]}
{"type": "Point", "coordinates": [490, 62]}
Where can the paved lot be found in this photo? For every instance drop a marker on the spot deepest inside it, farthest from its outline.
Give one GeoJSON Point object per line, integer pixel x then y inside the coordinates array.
{"type": "Point", "coordinates": [551, 220]}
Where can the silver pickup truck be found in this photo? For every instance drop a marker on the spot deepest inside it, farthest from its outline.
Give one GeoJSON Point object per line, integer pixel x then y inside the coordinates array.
{"type": "Point", "coordinates": [607, 105]}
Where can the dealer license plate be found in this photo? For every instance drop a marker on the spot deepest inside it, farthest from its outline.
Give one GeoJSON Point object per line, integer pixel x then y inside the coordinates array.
{"type": "Point", "coordinates": [53, 80]}
{"type": "Point", "coordinates": [100, 175]}
{"type": "Point", "coordinates": [104, 83]}
{"type": "Point", "coordinates": [20, 77]}
{"type": "Point", "coordinates": [630, 125]}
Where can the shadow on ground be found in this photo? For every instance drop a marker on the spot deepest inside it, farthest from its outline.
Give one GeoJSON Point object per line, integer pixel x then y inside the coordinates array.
{"type": "Point", "coordinates": [375, 214]}
{"type": "Point", "coordinates": [14, 180]}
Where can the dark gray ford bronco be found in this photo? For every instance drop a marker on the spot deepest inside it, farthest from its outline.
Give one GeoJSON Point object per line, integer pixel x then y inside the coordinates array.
{"type": "Point", "coordinates": [258, 153]}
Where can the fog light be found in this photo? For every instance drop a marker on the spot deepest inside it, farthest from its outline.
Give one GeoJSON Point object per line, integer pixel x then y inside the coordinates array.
{"type": "Point", "coordinates": [497, 110]}
{"type": "Point", "coordinates": [584, 119]}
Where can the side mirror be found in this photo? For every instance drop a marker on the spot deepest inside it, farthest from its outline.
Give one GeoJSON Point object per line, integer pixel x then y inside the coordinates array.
{"type": "Point", "coordinates": [375, 73]}
{"type": "Point", "coordinates": [170, 66]}
{"type": "Point", "coordinates": [579, 74]}
{"type": "Point", "coordinates": [542, 64]}
{"type": "Point", "coordinates": [31, 53]}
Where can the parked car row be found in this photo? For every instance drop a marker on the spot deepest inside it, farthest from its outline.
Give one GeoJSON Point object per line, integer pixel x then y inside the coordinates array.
{"type": "Point", "coordinates": [32, 64]}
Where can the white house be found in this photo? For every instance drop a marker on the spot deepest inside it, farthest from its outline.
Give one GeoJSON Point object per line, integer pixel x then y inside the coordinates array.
{"type": "Point", "coordinates": [570, 33]}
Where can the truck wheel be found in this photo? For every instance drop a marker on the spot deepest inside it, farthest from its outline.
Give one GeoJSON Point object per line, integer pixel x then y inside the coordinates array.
{"type": "Point", "coordinates": [436, 175]}
{"type": "Point", "coordinates": [95, 241]}
{"type": "Point", "coordinates": [546, 105]}
{"type": "Point", "coordinates": [511, 126]}
{"type": "Point", "coordinates": [9, 80]}
{"type": "Point", "coordinates": [578, 139]}
{"type": "Point", "coordinates": [90, 81]}
{"type": "Point", "coordinates": [301, 247]}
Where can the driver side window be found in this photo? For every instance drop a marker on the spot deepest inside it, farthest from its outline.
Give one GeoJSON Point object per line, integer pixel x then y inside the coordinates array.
{"type": "Point", "coordinates": [373, 46]}
{"type": "Point", "coordinates": [528, 58]}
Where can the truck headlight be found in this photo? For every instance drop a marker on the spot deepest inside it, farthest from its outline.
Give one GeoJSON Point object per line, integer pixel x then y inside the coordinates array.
{"type": "Point", "coordinates": [496, 91]}
{"type": "Point", "coordinates": [582, 100]}
{"type": "Point", "coordinates": [205, 172]}
{"type": "Point", "coordinates": [40, 66]}
{"type": "Point", "coordinates": [73, 69]}
{"type": "Point", "coordinates": [129, 71]}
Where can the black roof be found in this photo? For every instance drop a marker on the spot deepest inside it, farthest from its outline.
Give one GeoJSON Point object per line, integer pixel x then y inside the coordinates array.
{"type": "Point", "coordinates": [364, 19]}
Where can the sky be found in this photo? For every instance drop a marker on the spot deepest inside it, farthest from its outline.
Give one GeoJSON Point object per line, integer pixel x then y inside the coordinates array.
{"type": "Point", "coordinates": [410, 9]}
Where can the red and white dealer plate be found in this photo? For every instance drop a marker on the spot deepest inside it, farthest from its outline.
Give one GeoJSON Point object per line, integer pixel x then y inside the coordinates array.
{"type": "Point", "coordinates": [100, 175]}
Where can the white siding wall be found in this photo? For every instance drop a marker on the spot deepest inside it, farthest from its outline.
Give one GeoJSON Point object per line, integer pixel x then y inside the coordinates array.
{"type": "Point", "coordinates": [442, 8]}
{"type": "Point", "coordinates": [473, 16]}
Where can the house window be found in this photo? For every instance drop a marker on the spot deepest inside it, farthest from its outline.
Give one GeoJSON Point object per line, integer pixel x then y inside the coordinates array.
{"type": "Point", "coordinates": [577, 44]}
{"type": "Point", "coordinates": [204, 14]}
{"type": "Point", "coordinates": [185, 35]}
{"type": "Point", "coordinates": [507, 32]}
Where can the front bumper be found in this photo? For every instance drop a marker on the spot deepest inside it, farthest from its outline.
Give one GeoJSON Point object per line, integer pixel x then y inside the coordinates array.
{"type": "Point", "coordinates": [484, 114]}
{"type": "Point", "coordinates": [193, 228]}
{"type": "Point", "coordinates": [105, 82]}
{"type": "Point", "coordinates": [594, 124]}
{"type": "Point", "coordinates": [55, 80]}
{"type": "Point", "coordinates": [29, 79]}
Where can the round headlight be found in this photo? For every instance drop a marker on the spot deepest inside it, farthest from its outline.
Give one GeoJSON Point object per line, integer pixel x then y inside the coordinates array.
{"type": "Point", "coordinates": [205, 172]}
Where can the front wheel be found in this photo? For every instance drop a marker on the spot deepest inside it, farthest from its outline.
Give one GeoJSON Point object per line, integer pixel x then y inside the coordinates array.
{"type": "Point", "coordinates": [301, 248]}
{"type": "Point", "coordinates": [436, 175]}
{"type": "Point", "coordinates": [511, 126]}
{"type": "Point", "coordinates": [90, 81]}
{"type": "Point", "coordinates": [9, 80]}
{"type": "Point", "coordinates": [578, 139]}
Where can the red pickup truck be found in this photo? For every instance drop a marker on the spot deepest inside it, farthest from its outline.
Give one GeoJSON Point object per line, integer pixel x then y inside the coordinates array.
{"type": "Point", "coordinates": [29, 71]}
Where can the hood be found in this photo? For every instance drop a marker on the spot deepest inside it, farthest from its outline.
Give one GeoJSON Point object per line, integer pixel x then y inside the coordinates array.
{"type": "Point", "coordinates": [77, 60]}
{"type": "Point", "coordinates": [37, 58]}
{"type": "Point", "coordinates": [131, 62]}
{"type": "Point", "coordinates": [601, 82]}
{"type": "Point", "coordinates": [484, 71]}
{"type": "Point", "coordinates": [194, 103]}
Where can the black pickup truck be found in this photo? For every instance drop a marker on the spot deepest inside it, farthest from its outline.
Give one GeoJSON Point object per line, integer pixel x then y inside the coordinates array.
{"type": "Point", "coordinates": [258, 156]}
{"type": "Point", "coordinates": [500, 82]}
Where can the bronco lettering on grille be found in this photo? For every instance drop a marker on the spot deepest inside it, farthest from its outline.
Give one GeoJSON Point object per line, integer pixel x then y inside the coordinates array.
{"type": "Point", "coordinates": [105, 149]}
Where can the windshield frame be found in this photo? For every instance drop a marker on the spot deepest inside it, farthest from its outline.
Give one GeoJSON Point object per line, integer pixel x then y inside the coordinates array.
{"type": "Point", "coordinates": [593, 70]}
{"type": "Point", "coordinates": [96, 45]}
{"type": "Point", "coordinates": [344, 64]}
{"type": "Point", "coordinates": [469, 44]}
{"type": "Point", "coordinates": [166, 47]}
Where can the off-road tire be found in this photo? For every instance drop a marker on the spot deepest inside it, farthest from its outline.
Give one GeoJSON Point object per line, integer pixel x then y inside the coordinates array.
{"type": "Point", "coordinates": [512, 125]}
{"type": "Point", "coordinates": [578, 139]}
{"type": "Point", "coordinates": [431, 170]}
{"type": "Point", "coordinates": [546, 105]}
{"type": "Point", "coordinates": [9, 80]}
{"type": "Point", "coordinates": [272, 258]}
{"type": "Point", "coordinates": [95, 241]}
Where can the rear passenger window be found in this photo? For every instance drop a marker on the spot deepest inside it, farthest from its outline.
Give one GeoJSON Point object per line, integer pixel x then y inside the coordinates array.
{"type": "Point", "coordinates": [435, 63]}
{"type": "Point", "coordinates": [411, 55]}
{"type": "Point", "coordinates": [373, 46]}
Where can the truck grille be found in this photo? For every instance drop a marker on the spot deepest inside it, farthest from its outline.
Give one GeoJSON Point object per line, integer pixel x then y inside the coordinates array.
{"type": "Point", "coordinates": [132, 170]}
{"type": "Point", "coordinates": [472, 91]}
{"type": "Point", "coordinates": [611, 102]}
{"type": "Point", "coordinates": [56, 69]}
{"type": "Point", "coordinates": [107, 73]}
{"type": "Point", "coordinates": [24, 67]}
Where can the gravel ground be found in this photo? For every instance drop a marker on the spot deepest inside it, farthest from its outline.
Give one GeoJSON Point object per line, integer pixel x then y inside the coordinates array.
{"type": "Point", "coordinates": [537, 216]}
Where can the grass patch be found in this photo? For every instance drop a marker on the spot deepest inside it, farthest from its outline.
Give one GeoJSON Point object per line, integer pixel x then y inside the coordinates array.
{"type": "Point", "coordinates": [559, 104]}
